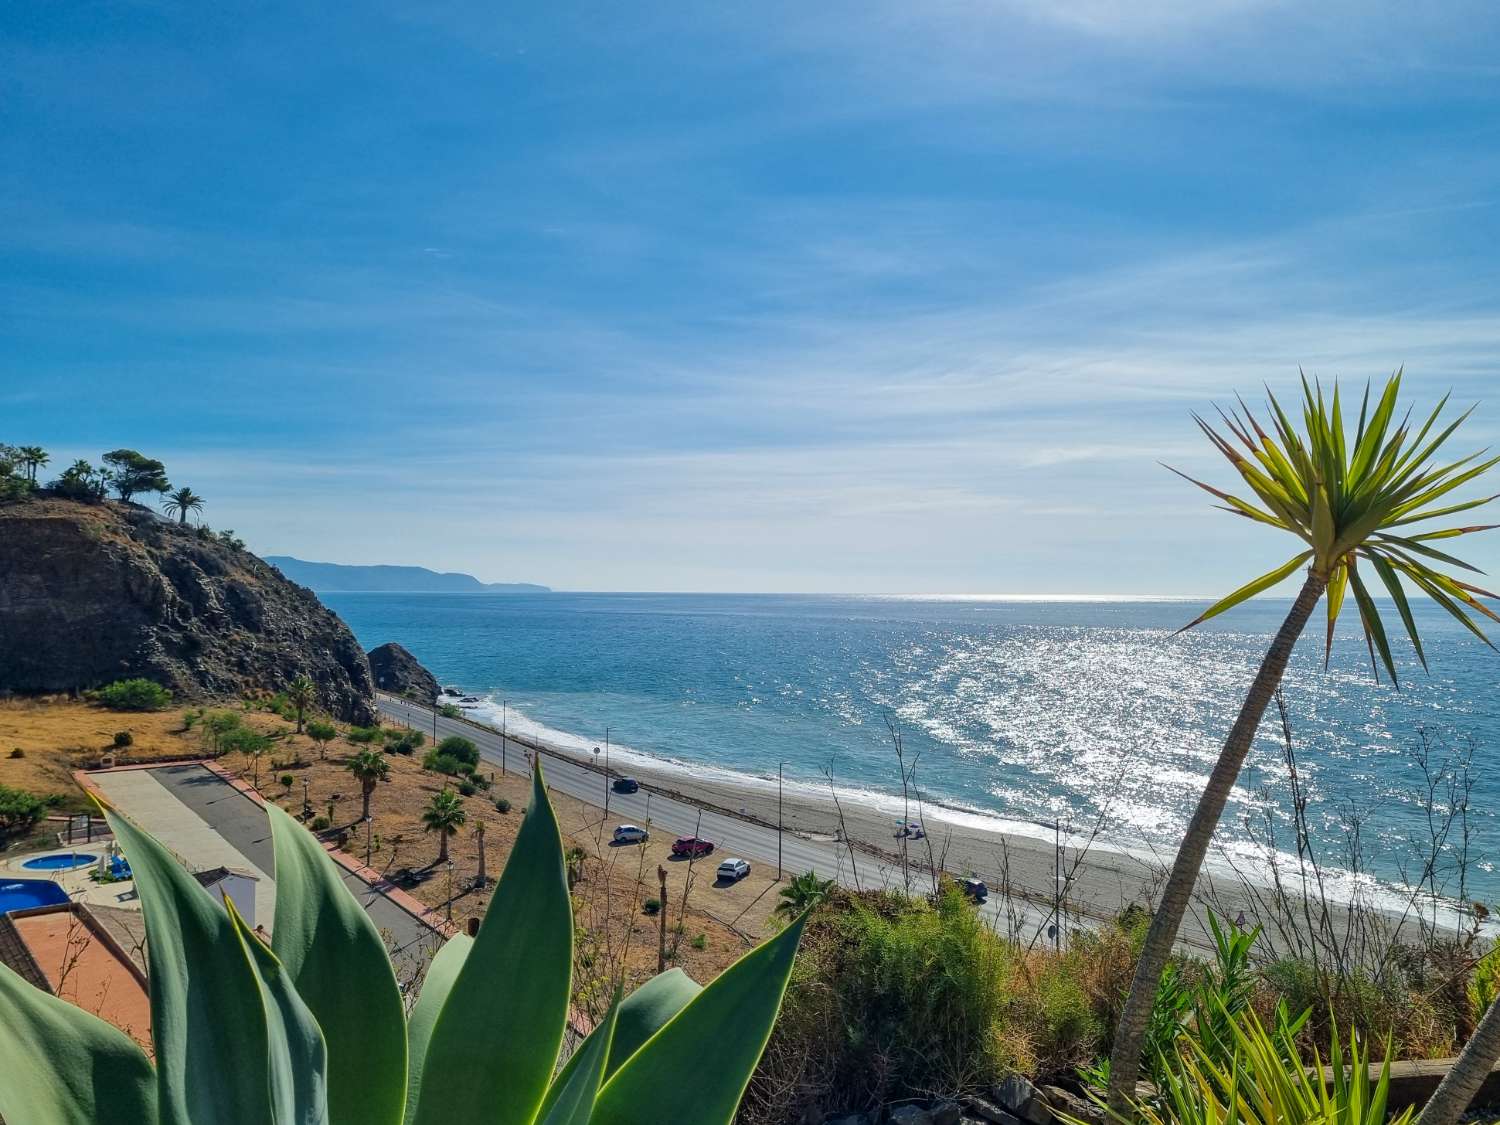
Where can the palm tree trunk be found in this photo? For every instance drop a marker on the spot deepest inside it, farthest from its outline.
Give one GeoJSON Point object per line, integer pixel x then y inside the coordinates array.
{"type": "Point", "coordinates": [1125, 1061]}
{"type": "Point", "coordinates": [443, 846]}
{"type": "Point", "coordinates": [1457, 1090]}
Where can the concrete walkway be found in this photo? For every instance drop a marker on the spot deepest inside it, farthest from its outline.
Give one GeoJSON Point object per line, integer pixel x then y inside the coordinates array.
{"type": "Point", "coordinates": [207, 822]}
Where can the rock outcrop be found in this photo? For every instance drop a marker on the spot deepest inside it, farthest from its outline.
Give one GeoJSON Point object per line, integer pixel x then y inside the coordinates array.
{"type": "Point", "coordinates": [397, 671]}
{"type": "Point", "coordinates": [91, 593]}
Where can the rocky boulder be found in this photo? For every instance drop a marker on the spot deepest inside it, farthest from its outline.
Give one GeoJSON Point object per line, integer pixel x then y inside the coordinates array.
{"type": "Point", "coordinates": [397, 671]}
{"type": "Point", "coordinates": [91, 593]}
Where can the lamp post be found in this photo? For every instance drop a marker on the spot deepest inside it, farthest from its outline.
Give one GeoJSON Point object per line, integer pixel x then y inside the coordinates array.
{"type": "Point", "coordinates": [450, 892]}
{"type": "Point", "coordinates": [606, 784]}
{"type": "Point", "coordinates": [606, 772]}
{"type": "Point", "coordinates": [306, 804]}
{"type": "Point", "coordinates": [779, 767]}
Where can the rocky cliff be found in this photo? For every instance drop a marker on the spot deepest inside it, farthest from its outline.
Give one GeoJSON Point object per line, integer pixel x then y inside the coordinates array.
{"type": "Point", "coordinates": [397, 671]}
{"type": "Point", "coordinates": [91, 593]}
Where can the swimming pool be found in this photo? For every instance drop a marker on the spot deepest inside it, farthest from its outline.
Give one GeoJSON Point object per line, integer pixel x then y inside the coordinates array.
{"type": "Point", "coordinates": [22, 894]}
{"type": "Point", "coordinates": [62, 861]}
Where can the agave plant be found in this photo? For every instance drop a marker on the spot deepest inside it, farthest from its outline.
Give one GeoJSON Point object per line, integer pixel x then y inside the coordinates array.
{"type": "Point", "coordinates": [1350, 500]}
{"type": "Point", "coordinates": [310, 1029]}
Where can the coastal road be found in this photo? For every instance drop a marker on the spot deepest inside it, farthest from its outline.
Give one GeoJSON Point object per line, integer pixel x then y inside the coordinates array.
{"type": "Point", "coordinates": [732, 835]}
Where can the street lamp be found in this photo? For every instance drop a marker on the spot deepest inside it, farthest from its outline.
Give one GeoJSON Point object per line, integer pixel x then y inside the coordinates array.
{"type": "Point", "coordinates": [779, 767]}
{"type": "Point", "coordinates": [450, 892]}
{"type": "Point", "coordinates": [606, 784]}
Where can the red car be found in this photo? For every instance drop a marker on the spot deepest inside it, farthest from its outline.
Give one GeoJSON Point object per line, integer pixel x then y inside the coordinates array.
{"type": "Point", "coordinates": [691, 846]}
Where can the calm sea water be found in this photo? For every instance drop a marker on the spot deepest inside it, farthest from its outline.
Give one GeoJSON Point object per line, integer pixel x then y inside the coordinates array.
{"type": "Point", "coordinates": [1026, 710]}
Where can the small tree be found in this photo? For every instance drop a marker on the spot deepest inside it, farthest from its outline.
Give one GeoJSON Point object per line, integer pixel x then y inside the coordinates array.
{"type": "Point", "coordinates": [131, 473]}
{"type": "Point", "coordinates": [80, 481]}
{"type": "Point", "coordinates": [19, 812]}
{"type": "Point", "coordinates": [31, 458]}
{"type": "Point", "coordinates": [322, 732]}
{"type": "Point", "coordinates": [183, 503]}
{"type": "Point", "coordinates": [217, 725]}
{"type": "Point", "coordinates": [456, 746]}
{"type": "Point", "coordinates": [444, 815]}
{"type": "Point", "coordinates": [251, 743]}
{"type": "Point", "coordinates": [369, 768]}
{"type": "Point", "coordinates": [802, 892]}
{"type": "Point", "coordinates": [301, 693]}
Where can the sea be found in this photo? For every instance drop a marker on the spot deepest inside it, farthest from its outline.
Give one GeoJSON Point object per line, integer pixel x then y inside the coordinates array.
{"type": "Point", "coordinates": [1026, 713]}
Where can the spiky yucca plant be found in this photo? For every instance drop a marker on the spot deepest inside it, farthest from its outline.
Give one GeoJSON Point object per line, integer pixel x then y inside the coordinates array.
{"type": "Point", "coordinates": [1350, 500]}
{"type": "Point", "coordinates": [310, 1029]}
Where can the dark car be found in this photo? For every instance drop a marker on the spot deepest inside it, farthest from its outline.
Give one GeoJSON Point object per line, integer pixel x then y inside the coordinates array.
{"type": "Point", "coordinates": [691, 846]}
{"type": "Point", "coordinates": [974, 889]}
{"type": "Point", "coordinates": [626, 785]}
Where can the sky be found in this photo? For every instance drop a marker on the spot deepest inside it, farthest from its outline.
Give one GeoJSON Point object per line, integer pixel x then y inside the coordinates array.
{"type": "Point", "coordinates": [836, 297]}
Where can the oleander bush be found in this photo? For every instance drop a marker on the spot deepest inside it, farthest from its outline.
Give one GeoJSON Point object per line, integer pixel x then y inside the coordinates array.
{"type": "Point", "coordinates": [132, 695]}
{"type": "Point", "coordinates": [311, 1029]}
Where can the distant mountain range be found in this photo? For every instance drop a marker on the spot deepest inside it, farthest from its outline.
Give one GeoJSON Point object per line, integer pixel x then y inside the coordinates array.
{"type": "Point", "coordinates": [327, 578]}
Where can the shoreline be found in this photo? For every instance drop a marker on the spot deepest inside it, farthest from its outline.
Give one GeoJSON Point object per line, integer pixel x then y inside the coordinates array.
{"type": "Point", "coordinates": [1085, 878]}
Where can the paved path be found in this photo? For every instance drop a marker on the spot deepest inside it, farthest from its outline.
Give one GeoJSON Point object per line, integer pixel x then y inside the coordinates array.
{"type": "Point", "coordinates": [209, 823]}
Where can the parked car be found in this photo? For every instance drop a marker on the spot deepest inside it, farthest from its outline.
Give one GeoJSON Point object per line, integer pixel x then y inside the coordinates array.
{"type": "Point", "coordinates": [734, 870]}
{"type": "Point", "coordinates": [974, 889]}
{"type": "Point", "coordinates": [631, 834]}
{"type": "Point", "coordinates": [691, 846]}
{"type": "Point", "coordinates": [626, 785]}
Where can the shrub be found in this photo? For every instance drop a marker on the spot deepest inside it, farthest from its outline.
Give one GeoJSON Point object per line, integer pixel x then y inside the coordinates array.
{"type": "Point", "coordinates": [122, 739]}
{"type": "Point", "coordinates": [467, 788]}
{"type": "Point", "coordinates": [133, 695]}
{"type": "Point", "coordinates": [442, 763]}
{"type": "Point", "coordinates": [651, 906]}
{"type": "Point", "coordinates": [189, 718]}
{"type": "Point", "coordinates": [456, 746]}
{"type": "Point", "coordinates": [17, 753]}
{"type": "Point", "coordinates": [20, 811]}
{"type": "Point", "coordinates": [449, 711]}
{"type": "Point", "coordinates": [700, 942]}
{"type": "Point", "coordinates": [403, 742]}
{"type": "Point", "coordinates": [502, 804]}
{"type": "Point", "coordinates": [287, 780]}
{"type": "Point", "coordinates": [320, 823]}
{"type": "Point", "coordinates": [363, 734]}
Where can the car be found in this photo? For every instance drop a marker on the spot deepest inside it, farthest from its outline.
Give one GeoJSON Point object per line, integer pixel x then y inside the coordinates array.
{"type": "Point", "coordinates": [631, 834]}
{"type": "Point", "coordinates": [734, 870]}
{"type": "Point", "coordinates": [974, 889]}
{"type": "Point", "coordinates": [626, 785]}
{"type": "Point", "coordinates": [691, 846]}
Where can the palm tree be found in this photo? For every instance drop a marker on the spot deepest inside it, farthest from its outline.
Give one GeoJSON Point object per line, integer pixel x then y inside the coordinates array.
{"type": "Point", "coordinates": [301, 693]}
{"type": "Point", "coordinates": [182, 503]}
{"type": "Point", "coordinates": [33, 457]}
{"type": "Point", "coordinates": [369, 767]}
{"type": "Point", "coordinates": [802, 892]}
{"type": "Point", "coordinates": [444, 815]}
{"type": "Point", "coordinates": [1349, 502]}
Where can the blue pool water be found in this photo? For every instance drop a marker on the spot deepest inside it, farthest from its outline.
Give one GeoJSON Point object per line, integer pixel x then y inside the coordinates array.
{"type": "Point", "coordinates": [1020, 709]}
{"type": "Point", "coordinates": [21, 894]}
{"type": "Point", "coordinates": [63, 861]}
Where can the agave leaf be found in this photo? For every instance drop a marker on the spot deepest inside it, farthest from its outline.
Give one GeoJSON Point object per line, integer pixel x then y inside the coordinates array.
{"type": "Point", "coordinates": [1337, 581]}
{"type": "Point", "coordinates": [667, 1081]}
{"type": "Point", "coordinates": [212, 1052]}
{"type": "Point", "coordinates": [642, 1014]}
{"type": "Point", "coordinates": [1249, 590]}
{"type": "Point", "coordinates": [1374, 628]}
{"type": "Point", "coordinates": [1398, 595]}
{"type": "Point", "coordinates": [570, 1101]}
{"type": "Point", "coordinates": [334, 956]}
{"type": "Point", "coordinates": [298, 1055]}
{"type": "Point", "coordinates": [441, 974]}
{"type": "Point", "coordinates": [64, 1066]}
{"type": "Point", "coordinates": [477, 1068]}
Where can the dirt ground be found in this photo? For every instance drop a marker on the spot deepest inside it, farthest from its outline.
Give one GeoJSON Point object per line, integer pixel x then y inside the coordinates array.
{"type": "Point", "coordinates": [616, 937]}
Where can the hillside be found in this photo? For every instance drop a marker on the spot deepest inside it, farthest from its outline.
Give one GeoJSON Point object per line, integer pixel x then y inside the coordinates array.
{"type": "Point", "coordinates": [91, 593]}
{"type": "Point", "coordinates": [339, 578]}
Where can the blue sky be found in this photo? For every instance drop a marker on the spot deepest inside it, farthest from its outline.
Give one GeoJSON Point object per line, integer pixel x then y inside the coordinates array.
{"type": "Point", "coordinates": [874, 296]}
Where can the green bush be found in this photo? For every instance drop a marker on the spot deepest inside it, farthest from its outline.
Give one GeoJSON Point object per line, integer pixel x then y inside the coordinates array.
{"type": "Point", "coordinates": [651, 906]}
{"type": "Point", "coordinates": [363, 734]}
{"type": "Point", "coordinates": [314, 1028]}
{"type": "Point", "coordinates": [449, 711]}
{"type": "Point", "coordinates": [20, 812]}
{"type": "Point", "coordinates": [446, 764]}
{"type": "Point", "coordinates": [700, 942]}
{"type": "Point", "coordinates": [122, 739]}
{"type": "Point", "coordinates": [456, 746]}
{"type": "Point", "coordinates": [320, 823]}
{"type": "Point", "coordinates": [467, 788]}
{"type": "Point", "coordinates": [502, 804]}
{"type": "Point", "coordinates": [404, 742]}
{"type": "Point", "coordinates": [133, 695]}
{"type": "Point", "coordinates": [287, 780]}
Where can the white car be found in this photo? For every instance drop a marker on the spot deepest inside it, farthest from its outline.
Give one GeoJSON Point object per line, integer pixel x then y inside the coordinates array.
{"type": "Point", "coordinates": [631, 834]}
{"type": "Point", "coordinates": [734, 870]}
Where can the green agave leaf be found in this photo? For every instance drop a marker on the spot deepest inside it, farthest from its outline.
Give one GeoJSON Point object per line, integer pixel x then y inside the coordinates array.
{"type": "Point", "coordinates": [642, 1014]}
{"type": "Point", "coordinates": [1374, 627]}
{"type": "Point", "coordinates": [334, 956]}
{"type": "Point", "coordinates": [207, 1019]}
{"type": "Point", "coordinates": [1398, 595]}
{"type": "Point", "coordinates": [517, 974]}
{"type": "Point", "coordinates": [436, 985]}
{"type": "Point", "coordinates": [60, 1065]}
{"type": "Point", "coordinates": [298, 1055]}
{"type": "Point", "coordinates": [570, 1101]}
{"type": "Point", "coordinates": [669, 1081]}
